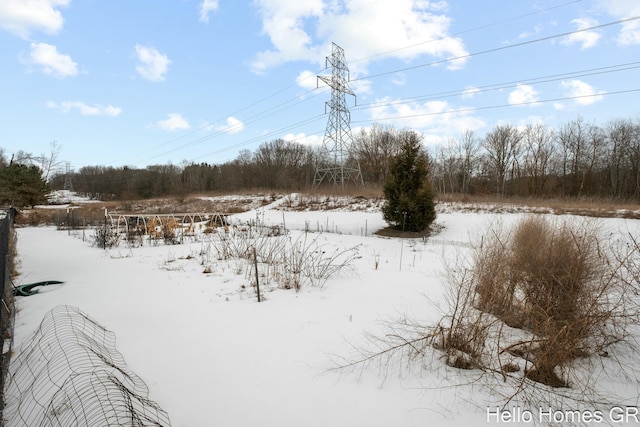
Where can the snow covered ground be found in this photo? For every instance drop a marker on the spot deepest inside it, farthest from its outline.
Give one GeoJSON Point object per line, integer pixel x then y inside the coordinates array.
{"type": "Point", "coordinates": [63, 198]}
{"type": "Point", "coordinates": [212, 355]}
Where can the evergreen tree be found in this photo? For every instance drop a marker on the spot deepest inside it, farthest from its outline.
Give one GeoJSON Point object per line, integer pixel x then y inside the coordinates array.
{"type": "Point", "coordinates": [22, 185]}
{"type": "Point", "coordinates": [410, 202]}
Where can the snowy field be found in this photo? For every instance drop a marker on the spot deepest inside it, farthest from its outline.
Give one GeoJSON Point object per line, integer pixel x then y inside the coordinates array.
{"type": "Point", "coordinates": [212, 355]}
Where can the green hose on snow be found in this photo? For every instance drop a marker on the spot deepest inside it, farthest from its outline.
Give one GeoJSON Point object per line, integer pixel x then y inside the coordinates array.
{"type": "Point", "coordinates": [28, 290]}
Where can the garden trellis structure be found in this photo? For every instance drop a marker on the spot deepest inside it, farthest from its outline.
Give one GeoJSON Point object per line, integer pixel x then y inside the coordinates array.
{"type": "Point", "coordinates": [174, 226]}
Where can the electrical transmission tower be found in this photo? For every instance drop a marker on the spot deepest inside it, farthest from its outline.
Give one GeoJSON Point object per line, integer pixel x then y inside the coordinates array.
{"type": "Point", "coordinates": [336, 164]}
{"type": "Point", "coordinates": [68, 179]}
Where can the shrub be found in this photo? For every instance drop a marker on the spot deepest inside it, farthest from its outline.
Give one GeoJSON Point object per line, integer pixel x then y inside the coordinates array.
{"type": "Point", "coordinates": [409, 196]}
{"type": "Point", "coordinates": [491, 281]}
{"type": "Point", "coordinates": [106, 237]}
{"type": "Point", "coordinates": [555, 281]}
{"type": "Point", "coordinates": [555, 297]}
{"type": "Point", "coordinates": [291, 262]}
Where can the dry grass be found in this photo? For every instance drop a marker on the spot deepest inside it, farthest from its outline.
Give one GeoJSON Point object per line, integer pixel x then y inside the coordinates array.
{"type": "Point", "coordinates": [536, 309]}
{"type": "Point", "coordinates": [13, 255]}
{"type": "Point", "coordinates": [317, 201]}
{"type": "Point", "coordinates": [589, 207]}
{"type": "Point", "coordinates": [462, 334]}
{"type": "Point", "coordinates": [368, 191]}
{"type": "Point", "coordinates": [555, 281]}
{"type": "Point", "coordinates": [196, 203]}
{"type": "Point", "coordinates": [92, 214]}
{"type": "Point", "coordinates": [290, 262]}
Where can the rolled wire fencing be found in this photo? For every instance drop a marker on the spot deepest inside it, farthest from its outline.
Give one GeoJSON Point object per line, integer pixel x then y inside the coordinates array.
{"type": "Point", "coordinates": [70, 374]}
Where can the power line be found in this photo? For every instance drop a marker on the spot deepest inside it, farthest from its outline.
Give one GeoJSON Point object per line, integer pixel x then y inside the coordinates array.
{"type": "Point", "coordinates": [283, 106]}
{"type": "Point", "coordinates": [481, 27]}
{"type": "Point", "coordinates": [489, 107]}
{"type": "Point", "coordinates": [461, 110]}
{"type": "Point", "coordinates": [261, 137]}
{"type": "Point", "coordinates": [498, 86]}
{"type": "Point", "coordinates": [497, 49]}
{"type": "Point", "coordinates": [272, 95]}
{"type": "Point", "coordinates": [507, 85]}
{"type": "Point", "coordinates": [220, 120]}
{"type": "Point", "coordinates": [440, 95]}
{"type": "Point", "coordinates": [258, 117]}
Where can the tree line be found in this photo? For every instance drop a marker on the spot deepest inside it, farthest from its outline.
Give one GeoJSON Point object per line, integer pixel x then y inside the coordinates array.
{"type": "Point", "coordinates": [277, 165]}
{"type": "Point", "coordinates": [576, 159]}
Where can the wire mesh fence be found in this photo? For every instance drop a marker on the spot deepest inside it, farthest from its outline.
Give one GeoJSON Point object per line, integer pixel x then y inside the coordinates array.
{"type": "Point", "coordinates": [70, 374]}
{"type": "Point", "coordinates": [6, 300]}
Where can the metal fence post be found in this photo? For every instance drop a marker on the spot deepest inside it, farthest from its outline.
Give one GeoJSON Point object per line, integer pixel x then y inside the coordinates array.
{"type": "Point", "coordinates": [255, 263]}
{"type": "Point", "coordinates": [6, 306]}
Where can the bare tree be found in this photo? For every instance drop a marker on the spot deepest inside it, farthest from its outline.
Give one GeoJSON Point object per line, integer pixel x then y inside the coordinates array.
{"type": "Point", "coordinates": [582, 145]}
{"type": "Point", "coordinates": [50, 163]}
{"type": "Point", "coordinates": [469, 149]}
{"type": "Point", "coordinates": [447, 168]}
{"type": "Point", "coordinates": [619, 135]}
{"type": "Point", "coordinates": [538, 150]}
{"type": "Point", "coordinates": [623, 158]}
{"type": "Point", "coordinates": [455, 163]}
{"type": "Point", "coordinates": [374, 149]}
{"type": "Point", "coordinates": [634, 159]}
{"type": "Point", "coordinates": [245, 172]}
{"type": "Point", "coordinates": [280, 163]}
{"type": "Point", "coordinates": [502, 145]}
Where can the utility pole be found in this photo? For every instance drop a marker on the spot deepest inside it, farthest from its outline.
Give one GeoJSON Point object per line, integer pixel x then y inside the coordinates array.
{"type": "Point", "coordinates": [337, 164]}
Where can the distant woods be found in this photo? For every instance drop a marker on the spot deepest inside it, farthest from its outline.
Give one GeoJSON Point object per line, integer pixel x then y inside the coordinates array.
{"type": "Point", "coordinates": [578, 159]}
{"type": "Point", "coordinates": [278, 165]}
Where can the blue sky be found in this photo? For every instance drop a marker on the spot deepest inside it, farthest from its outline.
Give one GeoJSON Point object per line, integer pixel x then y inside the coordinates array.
{"type": "Point", "coordinates": [121, 82]}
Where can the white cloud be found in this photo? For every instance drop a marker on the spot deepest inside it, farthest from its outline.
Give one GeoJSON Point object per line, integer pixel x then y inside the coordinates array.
{"type": "Point", "coordinates": [205, 126]}
{"type": "Point", "coordinates": [84, 109]}
{"type": "Point", "coordinates": [437, 120]}
{"type": "Point", "coordinates": [470, 92]}
{"type": "Point", "coordinates": [528, 121]}
{"type": "Point", "coordinates": [303, 31]}
{"type": "Point", "coordinates": [622, 9]}
{"type": "Point", "coordinates": [586, 39]}
{"type": "Point", "coordinates": [303, 138]}
{"type": "Point", "coordinates": [152, 65]}
{"type": "Point", "coordinates": [206, 7]}
{"type": "Point", "coordinates": [307, 80]}
{"type": "Point", "coordinates": [233, 126]}
{"type": "Point", "coordinates": [399, 79]}
{"type": "Point", "coordinates": [523, 94]}
{"type": "Point", "coordinates": [21, 17]}
{"type": "Point", "coordinates": [174, 121]}
{"type": "Point", "coordinates": [528, 34]}
{"type": "Point", "coordinates": [361, 87]}
{"type": "Point", "coordinates": [584, 93]}
{"type": "Point", "coordinates": [52, 62]}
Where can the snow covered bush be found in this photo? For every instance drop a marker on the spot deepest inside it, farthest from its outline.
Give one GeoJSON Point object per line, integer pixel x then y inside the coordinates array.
{"type": "Point", "coordinates": [541, 311]}
{"type": "Point", "coordinates": [556, 282]}
{"type": "Point", "coordinates": [106, 237]}
{"type": "Point", "coordinates": [305, 259]}
{"type": "Point", "coordinates": [291, 260]}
